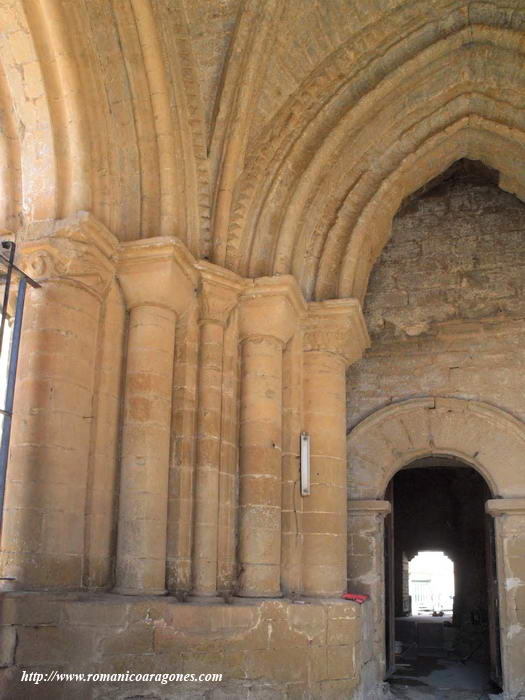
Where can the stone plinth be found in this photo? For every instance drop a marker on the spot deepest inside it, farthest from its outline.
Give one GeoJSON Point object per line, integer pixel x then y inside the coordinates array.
{"type": "Point", "coordinates": [262, 649]}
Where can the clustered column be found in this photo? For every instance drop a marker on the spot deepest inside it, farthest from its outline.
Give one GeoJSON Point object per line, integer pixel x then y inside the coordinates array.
{"type": "Point", "coordinates": [158, 282]}
{"type": "Point", "coordinates": [335, 335]}
{"type": "Point", "coordinates": [269, 315]}
{"type": "Point", "coordinates": [44, 538]}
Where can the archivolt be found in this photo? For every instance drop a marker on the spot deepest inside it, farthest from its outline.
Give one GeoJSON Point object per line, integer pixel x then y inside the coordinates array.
{"type": "Point", "coordinates": [106, 116]}
{"type": "Point", "coordinates": [442, 100]}
{"type": "Point", "coordinates": [487, 438]}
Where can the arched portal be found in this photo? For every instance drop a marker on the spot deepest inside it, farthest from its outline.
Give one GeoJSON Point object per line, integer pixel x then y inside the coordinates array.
{"type": "Point", "coordinates": [487, 439]}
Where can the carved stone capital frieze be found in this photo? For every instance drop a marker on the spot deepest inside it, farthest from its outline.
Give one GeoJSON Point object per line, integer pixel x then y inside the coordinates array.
{"type": "Point", "coordinates": [78, 249]}
{"type": "Point", "coordinates": [271, 306]}
{"type": "Point", "coordinates": [336, 326]}
{"type": "Point", "coordinates": [219, 292]}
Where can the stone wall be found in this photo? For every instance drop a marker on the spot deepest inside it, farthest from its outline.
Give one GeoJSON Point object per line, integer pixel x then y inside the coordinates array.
{"type": "Point", "coordinates": [274, 649]}
{"type": "Point", "coordinates": [445, 376]}
{"type": "Point", "coordinates": [445, 303]}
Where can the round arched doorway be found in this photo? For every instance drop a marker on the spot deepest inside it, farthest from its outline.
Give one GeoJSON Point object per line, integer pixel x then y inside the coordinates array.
{"type": "Point", "coordinates": [479, 435]}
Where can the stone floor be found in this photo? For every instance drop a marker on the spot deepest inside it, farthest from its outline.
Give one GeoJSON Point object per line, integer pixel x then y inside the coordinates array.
{"type": "Point", "coordinates": [441, 678]}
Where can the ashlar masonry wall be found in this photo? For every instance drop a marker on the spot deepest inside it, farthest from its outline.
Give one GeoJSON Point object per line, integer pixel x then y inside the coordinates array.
{"type": "Point", "coordinates": [276, 649]}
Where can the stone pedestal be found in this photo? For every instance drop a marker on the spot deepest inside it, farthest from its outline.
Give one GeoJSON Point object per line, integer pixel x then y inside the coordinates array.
{"type": "Point", "coordinates": [44, 516]}
{"type": "Point", "coordinates": [219, 292]}
{"type": "Point", "coordinates": [269, 315]}
{"type": "Point", "coordinates": [158, 280]}
{"type": "Point", "coordinates": [509, 514]}
{"type": "Point", "coordinates": [335, 336]}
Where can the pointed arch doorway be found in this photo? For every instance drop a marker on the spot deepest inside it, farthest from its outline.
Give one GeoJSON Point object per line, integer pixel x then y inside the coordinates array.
{"type": "Point", "coordinates": [438, 507]}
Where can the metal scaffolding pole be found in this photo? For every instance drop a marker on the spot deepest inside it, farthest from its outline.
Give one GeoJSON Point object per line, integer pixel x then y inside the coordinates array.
{"type": "Point", "coordinates": [13, 350]}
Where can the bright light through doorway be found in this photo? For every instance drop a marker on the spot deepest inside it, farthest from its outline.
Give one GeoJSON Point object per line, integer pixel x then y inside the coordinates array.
{"type": "Point", "coordinates": [431, 583]}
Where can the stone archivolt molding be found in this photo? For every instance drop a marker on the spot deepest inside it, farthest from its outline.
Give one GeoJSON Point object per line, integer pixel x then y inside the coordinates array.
{"type": "Point", "coordinates": [488, 438]}
{"type": "Point", "coordinates": [280, 200]}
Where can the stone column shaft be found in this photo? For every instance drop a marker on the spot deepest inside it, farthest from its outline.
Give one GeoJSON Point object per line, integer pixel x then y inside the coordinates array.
{"type": "Point", "coordinates": [141, 560]}
{"type": "Point", "coordinates": [208, 458]}
{"type": "Point", "coordinates": [260, 458]}
{"type": "Point", "coordinates": [183, 456]}
{"type": "Point", "coordinates": [324, 511]}
{"type": "Point", "coordinates": [47, 475]}
{"type": "Point", "coordinates": [292, 503]}
{"type": "Point", "coordinates": [335, 336]}
{"type": "Point", "coordinates": [219, 292]}
{"type": "Point", "coordinates": [228, 477]}
{"type": "Point", "coordinates": [158, 278]}
{"type": "Point", "coordinates": [270, 312]}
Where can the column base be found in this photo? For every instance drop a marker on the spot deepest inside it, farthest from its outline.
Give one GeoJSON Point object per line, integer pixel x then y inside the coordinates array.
{"type": "Point", "coordinates": [139, 591]}
{"type": "Point", "coordinates": [204, 598]}
{"type": "Point", "coordinates": [258, 594]}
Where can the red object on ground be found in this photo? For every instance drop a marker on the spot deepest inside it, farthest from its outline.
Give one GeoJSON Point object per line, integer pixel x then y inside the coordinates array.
{"type": "Point", "coordinates": [356, 597]}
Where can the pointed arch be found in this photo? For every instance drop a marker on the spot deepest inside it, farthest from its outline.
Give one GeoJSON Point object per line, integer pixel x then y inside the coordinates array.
{"type": "Point", "coordinates": [302, 196]}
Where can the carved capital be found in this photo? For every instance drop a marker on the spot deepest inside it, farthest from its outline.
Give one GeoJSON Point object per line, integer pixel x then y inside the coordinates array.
{"type": "Point", "coordinates": [336, 326]}
{"type": "Point", "coordinates": [271, 306]}
{"type": "Point", "coordinates": [78, 248]}
{"type": "Point", "coordinates": [219, 292]}
{"type": "Point", "coordinates": [159, 271]}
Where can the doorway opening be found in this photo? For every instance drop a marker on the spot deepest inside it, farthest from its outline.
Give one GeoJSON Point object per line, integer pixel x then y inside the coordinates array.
{"type": "Point", "coordinates": [430, 584]}
{"type": "Point", "coordinates": [442, 631]}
